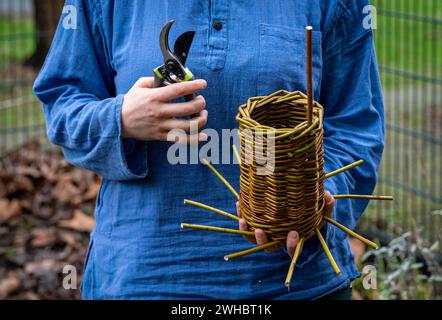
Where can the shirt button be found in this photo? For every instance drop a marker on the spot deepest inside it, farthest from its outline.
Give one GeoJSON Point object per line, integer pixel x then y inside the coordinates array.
{"type": "Point", "coordinates": [217, 25]}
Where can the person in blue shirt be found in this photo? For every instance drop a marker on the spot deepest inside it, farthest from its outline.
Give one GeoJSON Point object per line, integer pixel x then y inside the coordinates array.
{"type": "Point", "coordinates": [100, 107]}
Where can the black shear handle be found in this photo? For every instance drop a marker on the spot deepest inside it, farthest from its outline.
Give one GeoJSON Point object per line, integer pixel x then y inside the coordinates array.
{"type": "Point", "coordinates": [189, 97]}
{"type": "Point", "coordinates": [157, 82]}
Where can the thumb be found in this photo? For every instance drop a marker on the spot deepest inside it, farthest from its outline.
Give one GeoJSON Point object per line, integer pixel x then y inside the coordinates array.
{"type": "Point", "coordinates": [144, 82]}
{"type": "Point", "coordinates": [292, 241]}
{"type": "Point", "coordinates": [329, 204]}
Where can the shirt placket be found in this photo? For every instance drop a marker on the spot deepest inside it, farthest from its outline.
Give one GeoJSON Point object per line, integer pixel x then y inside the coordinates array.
{"type": "Point", "coordinates": [218, 34]}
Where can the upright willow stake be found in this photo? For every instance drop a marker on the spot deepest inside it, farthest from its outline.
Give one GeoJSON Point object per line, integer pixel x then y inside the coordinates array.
{"type": "Point", "coordinates": [352, 233]}
{"type": "Point", "coordinates": [205, 206]}
{"type": "Point", "coordinates": [327, 252]}
{"type": "Point", "coordinates": [236, 154]}
{"type": "Point", "coordinates": [362, 196]}
{"type": "Point", "coordinates": [298, 249]}
{"type": "Point", "coordinates": [251, 250]}
{"type": "Point", "coordinates": [220, 177]}
{"type": "Point", "coordinates": [345, 168]}
{"type": "Point", "coordinates": [309, 31]}
{"type": "Point", "coordinates": [216, 229]}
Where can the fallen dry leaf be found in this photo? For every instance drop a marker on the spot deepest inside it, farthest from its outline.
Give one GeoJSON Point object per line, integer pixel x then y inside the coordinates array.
{"type": "Point", "coordinates": [43, 237]}
{"type": "Point", "coordinates": [28, 171]}
{"type": "Point", "coordinates": [92, 192]}
{"type": "Point", "coordinates": [357, 247]}
{"type": "Point", "coordinates": [70, 238]}
{"type": "Point", "coordinates": [20, 184]}
{"type": "Point", "coordinates": [9, 285]}
{"type": "Point", "coordinates": [64, 191]}
{"type": "Point", "coordinates": [45, 230]}
{"type": "Point", "coordinates": [79, 222]}
{"type": "Point", "coordinates": [41, 267]}
{"type": "Point", "coordinates": [9, 209]}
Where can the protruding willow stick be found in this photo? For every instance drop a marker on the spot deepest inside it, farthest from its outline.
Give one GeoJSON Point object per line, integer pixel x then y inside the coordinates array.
{"type": "Point", "coordinates": [327, 252]}
{"type": "Point", "coordinates": [348, 167]}
{"type": "Point", "coordinates": [361, 196]}
{"type": "Point", "coordinates": [309, 31]}
{"type": "Point", "coordinates": [223, 180]}
{"type": "Point", "coordinates": [352, 233]}
{"type": "Point", "coordinates": [217, 229]}
{"type": "Point", "coordinates": [298, 250]}
{"type": "Point", "coordinates": [251, 250]}
{"type": "Point", "coordinates": [205, 206]}
{"type": "Point", "coordinates": [236, 154]}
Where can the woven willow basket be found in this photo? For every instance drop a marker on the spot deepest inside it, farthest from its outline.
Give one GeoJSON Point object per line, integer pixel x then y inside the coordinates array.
{"type": "Point", "coordinates": [281, 175]}
{"type": "Point", "coordinates": [287, 194]}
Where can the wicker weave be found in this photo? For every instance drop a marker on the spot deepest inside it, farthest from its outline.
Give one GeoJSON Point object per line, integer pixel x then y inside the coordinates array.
{"type": "Point", "coordinates": [287, 192]}
{"type": "Point", "coordinates": [289, 195]}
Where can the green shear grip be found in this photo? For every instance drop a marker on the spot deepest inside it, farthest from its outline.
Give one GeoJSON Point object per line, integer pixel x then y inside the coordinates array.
{"type": "Point", "coordinates": [189, 75]}
{"type": "Point", "coordinates": [157, 73]}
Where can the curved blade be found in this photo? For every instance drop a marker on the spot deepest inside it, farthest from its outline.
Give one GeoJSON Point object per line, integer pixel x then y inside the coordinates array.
{"type": "Point", "coordinates": [182, 46]}
{"type": "Point", "coordinates": [164, 40]}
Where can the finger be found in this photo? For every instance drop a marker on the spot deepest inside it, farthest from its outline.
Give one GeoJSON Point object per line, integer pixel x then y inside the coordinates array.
{"type": "Point", "coordinates": [191, 125]}
{"type": "Point", "coordinates": [292, 241]}
{"type": "Point", "coordinates": [180, 89]}
{"type": "Point", "coordinates": [144, 82]}
{"type": "Point", "coordinates": [261, 238]}
{"type": "Point", "coordinates": [243, 224]}
{"type": "Point", "coordinates": [173, 110]}
{"type": "Point", "coordinates": [329, 204]}
{"type": "Point", "coordinates": [183, 138]}
{"type": "Point", "coordinates": [244, 227]}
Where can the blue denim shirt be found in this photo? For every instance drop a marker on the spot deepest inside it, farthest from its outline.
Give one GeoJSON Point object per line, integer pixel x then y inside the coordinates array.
{"type": "Point", "coordinates": [137, 249]}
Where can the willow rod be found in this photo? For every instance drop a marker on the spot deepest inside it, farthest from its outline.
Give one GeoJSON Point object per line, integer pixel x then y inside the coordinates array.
{"type": "Point", "coordinates": [309, 31]}
{"type": "Point", "coordinates": [327, 252]}
{"type": "Point", "coordinates": [362, 196]}
{"type": "Point", "coordinates": [220, 177]}
{"type": "Point", "coordinates": [205, 206]}
{"type": "Point", "coordinates": [298, 249]}
{"type": "Point", "coordinates": [352, 233]}
{"type": "Point", "coordinates": [236, 154]}
{"type": "Point", "coordinates": [251, 250]}
{"type": "Point", "coordinates": [347, 167]}
{"type": "Point", "coordinates": [216, 229]}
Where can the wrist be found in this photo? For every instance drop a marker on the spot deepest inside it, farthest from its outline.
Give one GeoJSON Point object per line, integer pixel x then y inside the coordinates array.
{"type": "Point", "coordinates": [124, 121]}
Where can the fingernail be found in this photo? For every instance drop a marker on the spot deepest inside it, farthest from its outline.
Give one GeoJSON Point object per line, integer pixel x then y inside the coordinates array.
{"type": "Point", "coordinates": [203, 83]}
{"type": "Point", "coordinates": [203, 136]}
{"type": "Point", "coordinates": [293, 234]}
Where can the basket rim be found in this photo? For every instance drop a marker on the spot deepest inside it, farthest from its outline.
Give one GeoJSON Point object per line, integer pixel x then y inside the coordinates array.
{"type": "Point", "coordinates": [245, 114]}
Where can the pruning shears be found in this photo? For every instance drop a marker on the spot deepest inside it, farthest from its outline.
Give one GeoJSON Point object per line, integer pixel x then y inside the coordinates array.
{"type": "Point", "coordinates": [173, 70]}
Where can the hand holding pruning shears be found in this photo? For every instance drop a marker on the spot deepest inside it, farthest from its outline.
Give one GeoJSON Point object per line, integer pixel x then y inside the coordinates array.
{"type": "Point", "coordinates": [147, 113]}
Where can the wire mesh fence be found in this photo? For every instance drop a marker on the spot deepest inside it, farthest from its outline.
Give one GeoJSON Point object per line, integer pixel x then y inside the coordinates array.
{"type": "Point", "coordinates": [408, 40]}
{"type": "Point", "coordinates": [25, 34]}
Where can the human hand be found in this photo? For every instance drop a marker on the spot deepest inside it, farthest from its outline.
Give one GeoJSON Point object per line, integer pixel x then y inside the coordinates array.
{"type": "Point", "coordinates": [292, 237]}
{"type": "Point", "coordinates": [147, 113]}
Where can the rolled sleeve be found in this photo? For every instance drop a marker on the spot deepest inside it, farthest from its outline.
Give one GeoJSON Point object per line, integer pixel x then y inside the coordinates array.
{"type": "Point", "coordinates": [82, 111]}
